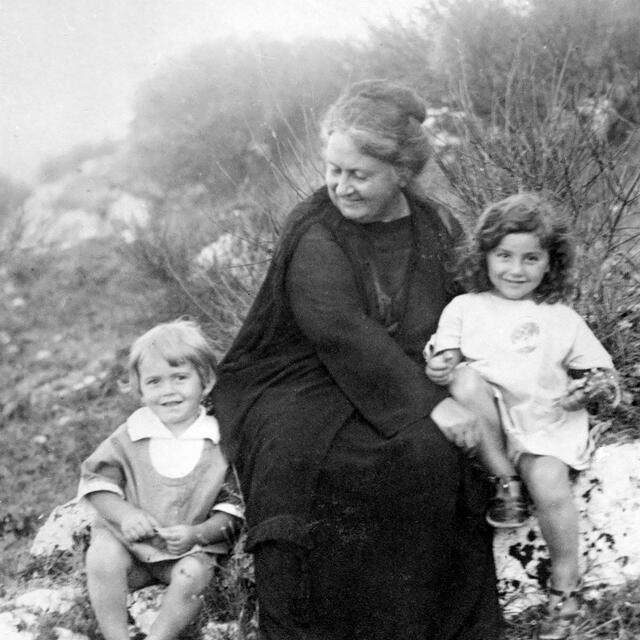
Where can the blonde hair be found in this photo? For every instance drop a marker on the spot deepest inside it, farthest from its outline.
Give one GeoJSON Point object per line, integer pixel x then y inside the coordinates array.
{"type": "Point", "coordinates": [178, 342]}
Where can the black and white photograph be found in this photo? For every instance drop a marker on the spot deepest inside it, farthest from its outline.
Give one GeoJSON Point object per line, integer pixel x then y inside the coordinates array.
{"type": "Point", "coordinates": [319, 319]}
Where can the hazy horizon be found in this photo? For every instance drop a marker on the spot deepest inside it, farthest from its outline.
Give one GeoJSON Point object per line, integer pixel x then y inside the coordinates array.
{"type": "Point", "coordinates": [70, 68]}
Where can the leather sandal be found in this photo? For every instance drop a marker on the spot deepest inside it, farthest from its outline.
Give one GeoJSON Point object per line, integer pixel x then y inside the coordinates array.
{"type": "Point", "coordinates": [556, 624]}
{"type": "Point", "coordinates": [507, 509]}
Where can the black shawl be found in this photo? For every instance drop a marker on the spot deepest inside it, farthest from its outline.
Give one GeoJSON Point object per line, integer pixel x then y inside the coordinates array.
{"type": "Point", "coordinates": [280, 398]}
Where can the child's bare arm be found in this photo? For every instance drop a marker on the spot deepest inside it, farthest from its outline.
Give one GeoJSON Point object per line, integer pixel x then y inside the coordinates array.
{"type": "Point", "coordinates": [134, 523]}
{"type": "Point", "coordinates": [593, 385]}
{"type": "Point", "coordinates": [441, 365]}
{"type": "Point", "coordinates": [220, 527]}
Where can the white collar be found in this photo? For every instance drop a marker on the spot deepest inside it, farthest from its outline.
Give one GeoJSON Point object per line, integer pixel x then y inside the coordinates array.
{"type": "Point", "coordinates": [143, 423]}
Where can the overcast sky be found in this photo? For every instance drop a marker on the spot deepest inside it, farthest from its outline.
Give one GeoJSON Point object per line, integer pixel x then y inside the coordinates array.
{"type": "Point", "coordinates": [69, 68]}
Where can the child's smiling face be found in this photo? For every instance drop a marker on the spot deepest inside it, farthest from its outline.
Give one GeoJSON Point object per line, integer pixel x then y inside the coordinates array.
{"type": "Point", "coordinates": [517, 265]}
{"type": "Point", "coordinates": [172, 392]}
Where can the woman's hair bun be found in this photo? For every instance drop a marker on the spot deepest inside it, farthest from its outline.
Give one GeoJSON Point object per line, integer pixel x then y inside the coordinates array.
{"type": "Point", "coordinates": [404, 98]}
{"type": "Point", "coordinates": [384, 120]}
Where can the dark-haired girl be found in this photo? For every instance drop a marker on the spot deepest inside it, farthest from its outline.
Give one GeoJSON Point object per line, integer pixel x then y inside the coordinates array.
{"type": "Point", "coordinates": [527, 365]}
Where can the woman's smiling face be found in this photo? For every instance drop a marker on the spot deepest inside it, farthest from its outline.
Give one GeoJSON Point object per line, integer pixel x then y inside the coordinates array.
{"type": "Point", "coordinates": [363, 188]}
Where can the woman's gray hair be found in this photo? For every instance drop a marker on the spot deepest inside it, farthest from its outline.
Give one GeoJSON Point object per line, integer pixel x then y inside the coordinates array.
{"type": "Point", "coordinates": [385, 121]}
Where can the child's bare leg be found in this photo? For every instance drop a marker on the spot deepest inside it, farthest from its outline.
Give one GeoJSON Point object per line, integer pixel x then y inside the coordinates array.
{"type": "Point", "coordinates": [111, 572]}
{"type": "Point", "coordinates": [471, 390]}
{"type": "Point", "coordinates": [507, 508]}
{"type": "Point", "coordinates": [547, 480]}
{"type": "Point", "coordinates": [187, 578]}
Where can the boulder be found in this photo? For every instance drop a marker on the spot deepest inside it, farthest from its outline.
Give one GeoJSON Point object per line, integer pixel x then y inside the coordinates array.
{"type": "Point", "coordinates": [79, 205]}
{"type": "Point", "coordinates": [608, 499]}
{"type": "Point", "coordinates": [23, 620]}
{"type": "Point", "coordinates": [65, 529]}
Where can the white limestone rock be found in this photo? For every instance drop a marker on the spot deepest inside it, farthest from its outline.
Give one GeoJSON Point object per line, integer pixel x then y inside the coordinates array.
{"type": "Point", "coordinates": [12, 627]}
{"type": "Point", "coordinates": [144, 606]}
{"type": "Point", "coordinates": [60, 599]}
{"type": "Point", "coordinates": [66, 634]}
{"type": "Point", "coordinates": [65, 526]}
{"type": "Point", "coordinates": [22, 621]}
{"type": "Point", "coordinates": [608, 499]}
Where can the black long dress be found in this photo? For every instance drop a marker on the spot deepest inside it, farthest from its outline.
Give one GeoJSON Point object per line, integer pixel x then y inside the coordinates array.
{"type": "Point", "coordinates": [364, 520]}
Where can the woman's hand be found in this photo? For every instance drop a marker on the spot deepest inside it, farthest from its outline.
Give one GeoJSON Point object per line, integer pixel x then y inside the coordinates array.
{"type": "Point", "coordinates": [138, 525]}
{"type": "Point", "coordinates": [440, 367]}
{"type": "Point", "coordinates": [179, 538]}
{"type": "Point", "coordinates": [457, 423]}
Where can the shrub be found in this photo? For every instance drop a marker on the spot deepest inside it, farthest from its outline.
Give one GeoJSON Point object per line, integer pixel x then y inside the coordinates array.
{"type": "Point", "coordinates": [220, 116]}
{"type": "Point", "coordinates": [537, 138]}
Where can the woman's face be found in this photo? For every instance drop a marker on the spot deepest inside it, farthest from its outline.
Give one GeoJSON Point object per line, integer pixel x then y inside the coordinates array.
{"type": "Point", "coordinates": [363, 188]}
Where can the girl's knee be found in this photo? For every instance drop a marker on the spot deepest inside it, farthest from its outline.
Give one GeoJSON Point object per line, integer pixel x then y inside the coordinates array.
{"type": "Point", "coordinates": [193, 574]}
{"type": "Point", "coordinates": [547, 478]}
{"type": "Point", "coordinates": [468, 385]}
{"type": "Point", "coordinates": [106, 556]}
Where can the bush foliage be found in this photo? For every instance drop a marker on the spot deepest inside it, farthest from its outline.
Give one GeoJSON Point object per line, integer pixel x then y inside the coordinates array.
{"type": "Point", "coordinates": [216, 118]}
{"type": "Point", "coordinates": [541, 95]}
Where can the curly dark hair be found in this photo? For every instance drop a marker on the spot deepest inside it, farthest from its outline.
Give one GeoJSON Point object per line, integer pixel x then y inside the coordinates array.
{"type": "Point", "coordinates": [521, 213]}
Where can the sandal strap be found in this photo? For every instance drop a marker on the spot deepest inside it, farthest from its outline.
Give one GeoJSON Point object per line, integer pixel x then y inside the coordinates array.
{"type": "Point", "coordinates": [564, 595]}
{"type": "Point", "coordinates": [574, 593]}
{"type": "Point", "coordinates": [504, 481]}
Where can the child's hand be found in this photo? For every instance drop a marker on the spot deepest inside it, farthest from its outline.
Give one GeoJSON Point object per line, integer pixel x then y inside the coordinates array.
{"type": "Point", "coordinates": [179, 538]}
{"type": "Point", "coordinates": [138, 525]}
{"type": "Point", "coordinates": [575, 398]}
{"type": "Point", "coordinates": [440, 367]}
{"type": "Point", "coordinates": [597, 385]}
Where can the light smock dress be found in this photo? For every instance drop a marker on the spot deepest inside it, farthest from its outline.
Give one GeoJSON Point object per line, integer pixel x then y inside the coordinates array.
{"type": "Point", "coordinates": [178, 480]}
{"type": "Point", "coordinates": [524, 350]}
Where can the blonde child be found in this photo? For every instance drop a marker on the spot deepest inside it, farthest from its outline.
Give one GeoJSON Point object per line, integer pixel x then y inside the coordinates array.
{"type": "Point", "coordinates": [527, 365]}
{"type": "Point", "coordinates": [164, 493]}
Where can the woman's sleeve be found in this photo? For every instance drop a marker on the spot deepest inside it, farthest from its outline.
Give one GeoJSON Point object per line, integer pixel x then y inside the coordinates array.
{"type": "Point", "coordinates": [102, 471]}
{"type": "Point", "coordinates": [386, 386]}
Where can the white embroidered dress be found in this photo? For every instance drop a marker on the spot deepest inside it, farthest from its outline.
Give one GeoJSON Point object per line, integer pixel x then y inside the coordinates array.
{"type": "Point", "coordinates": [524, 350]}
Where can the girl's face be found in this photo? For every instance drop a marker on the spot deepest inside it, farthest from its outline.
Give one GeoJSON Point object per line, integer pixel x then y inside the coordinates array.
{"type": "Point", "coordinates": [173, 393]}
{"type": "Point", "coordinates": [517, 265]}
{"type": "Point", "coordinates": [363, 188]}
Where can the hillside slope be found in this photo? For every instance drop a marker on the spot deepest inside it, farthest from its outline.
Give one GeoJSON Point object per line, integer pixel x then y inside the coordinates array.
{"type": "Point", "coordinates": [66, 320]}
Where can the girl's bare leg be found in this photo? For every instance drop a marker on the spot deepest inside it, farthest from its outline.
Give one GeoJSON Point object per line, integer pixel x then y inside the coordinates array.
{"type": "Point", "coordinates": [547, 480]}
{"type": "Point", "coordinates": [507, 508]}
{"type": "Point", "coordinates": [187, 579]}
{"type": "Point", "coordinates": [111, 572]}
{"type": "Point", "coordinates": [472, 391]}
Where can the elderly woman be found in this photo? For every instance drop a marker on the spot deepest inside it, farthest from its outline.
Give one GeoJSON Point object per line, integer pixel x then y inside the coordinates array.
{"type": "Point", "coordinates": [365, 518]}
